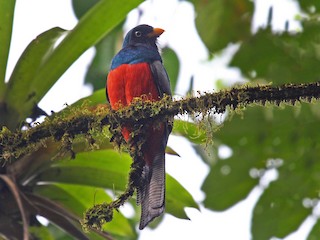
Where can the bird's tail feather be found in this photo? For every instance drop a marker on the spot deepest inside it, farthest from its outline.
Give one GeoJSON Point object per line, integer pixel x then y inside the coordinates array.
{"type": "Point", "coordinates": [151, 193]}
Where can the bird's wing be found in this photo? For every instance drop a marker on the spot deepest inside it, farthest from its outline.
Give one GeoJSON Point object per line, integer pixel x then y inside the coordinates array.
{"type": "Point", "coordinates": [161, 78]}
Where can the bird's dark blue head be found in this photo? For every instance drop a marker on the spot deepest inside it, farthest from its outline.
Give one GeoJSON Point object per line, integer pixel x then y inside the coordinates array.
{"type": "Point", "coordinates": [142, 35]}
{"type": "Point", "coordinates": [138, 46]}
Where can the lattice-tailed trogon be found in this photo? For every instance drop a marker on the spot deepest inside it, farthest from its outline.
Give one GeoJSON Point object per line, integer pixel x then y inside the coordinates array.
{"type": "Point", "coordinates": [137, 71]}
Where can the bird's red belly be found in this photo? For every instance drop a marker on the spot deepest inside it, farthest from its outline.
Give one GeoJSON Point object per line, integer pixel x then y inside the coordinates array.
{"type": "Point", "coordinates": [127, 82]}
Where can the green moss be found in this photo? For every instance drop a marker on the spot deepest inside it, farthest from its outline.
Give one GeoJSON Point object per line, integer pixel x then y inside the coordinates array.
{"type": "Point", "coordinates": [96, 216]}
{"type": "Point", "coordinates": [87, 120]}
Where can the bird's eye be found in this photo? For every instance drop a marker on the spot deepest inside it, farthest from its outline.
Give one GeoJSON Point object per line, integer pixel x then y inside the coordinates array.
{"type": "Point", "coordinates": [137, 34]}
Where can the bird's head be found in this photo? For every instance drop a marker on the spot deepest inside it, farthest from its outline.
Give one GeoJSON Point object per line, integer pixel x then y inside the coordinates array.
{"type": "Point", "coordinates": [142, 34]}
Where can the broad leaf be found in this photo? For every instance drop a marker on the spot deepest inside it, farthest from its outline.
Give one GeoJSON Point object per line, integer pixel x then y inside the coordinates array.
{"type": "Point", "coordinates": [281, 58]}
{"type": "Point", "coordinates": [314, 234]}
{"type": "Point", "coordinates": [21, 86]}
{"type": "Point", "coordinates": [78, 198]}
{"type": "Point", "coordinates": [171, 63]}
{"type": "Point", "coordinates": [80, 7]}
{"type": "Point", "coordinates": [104, 168]}
{"type": "Point", "coordinates": [6, 20]}
{"type": "Point", "coordinates": [105, 51]}
{"type": "Point", "coordinates": [97, 97]}
{"type": "Point", "coordinates": [93, 102]}
{"type": "Point", "coordinates": [280, 209]}
{"type": "Point", "coordinates": [175, 203]}
{"type": "Point", "coordinates": [222, 22]}
{"type": "Point", "coordinates": [258, 137]}
{"type": "Point", "coordinates": [41, 232]}
{"type": "Point", "coordinates": [109, 169]}
{"type": "Point", "coordinates": [92, 27]}
{"type": "Point", "coordinates": [58, 233]}
{"type": "Point", "coordinates": [309, 6]}
{"type": "Point", "coordinates": [229, 182]}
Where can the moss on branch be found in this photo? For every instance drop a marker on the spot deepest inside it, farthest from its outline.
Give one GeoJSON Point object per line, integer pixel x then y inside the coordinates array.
{"type": "Point", "coordinates": [68, 124]}
{"type": "Point", "coordinates": [16, 144]}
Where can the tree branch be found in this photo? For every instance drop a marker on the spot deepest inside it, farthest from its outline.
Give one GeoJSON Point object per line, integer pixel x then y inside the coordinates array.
{"type": "Point", "coordinates": [16, 144]}
{"type": "Point", "coordinates": [66, 125]}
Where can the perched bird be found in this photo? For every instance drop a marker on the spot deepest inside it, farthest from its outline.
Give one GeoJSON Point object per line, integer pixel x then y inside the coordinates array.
{"type": "Point", "coordinates": [137, 71]}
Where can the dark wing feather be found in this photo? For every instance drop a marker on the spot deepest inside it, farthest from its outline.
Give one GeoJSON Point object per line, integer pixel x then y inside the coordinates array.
{"type": "Point", "coordinates": [162, 82]}
{"type": "Point", "coordinates": [161, 78]}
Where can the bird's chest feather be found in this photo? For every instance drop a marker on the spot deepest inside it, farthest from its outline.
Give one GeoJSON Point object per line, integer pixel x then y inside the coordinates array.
{"type": "Point", "coordinates": [128, 81]}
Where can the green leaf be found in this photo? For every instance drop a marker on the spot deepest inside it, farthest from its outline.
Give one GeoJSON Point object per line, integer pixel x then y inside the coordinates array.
{"type": "Point", "coordinates": [105, 51]}
{"type": "Point", "coordinates": [98, 97]}
{"type": "Point", "coordinates": [29, 64]}
{"type": "Point", "coordinates": [259, 137]}
{"type": "Point", "coordinates": [314, 234]}
{"type": "Point", "coordinates": [92, 27]}
{"type": "Point", "coordinates": [21, 86]}
{"type": "Point", "coordinates": [281, 58]}
{"type": "Point", "coordinates": [79, 198]}
{"type": "Point", "coordinates": [89, 196]}
{"type": "Point", "coordinates": [170, 151]}
{"type": "Point", "coordinates": [104, 168]}
{"type": "Point", "coordinates": [6, 19]}
{"type": "Point", "coordinates": [171, 63]}
{"type": "Point", "coordinates": [230, 21]}
{"type": "Point", "coordinates": [228, 182]}
{"type": "Point", "coordinates": [175, 203]}
{"type": "Point", "coordinates": [80, 7]}
{"type": "Point", "coordinates": [191, 84]}
{"type": "Point", "coordinates": [41, 232]}
{"type": "Point", "coordinates": [58, 233]}
{"type": "Point", "coordinates": [280, 209]}
{"type": "Point", "coordinates": [308, 5]}
{"type": "Point", "coordinates": [109, 169]}
{"type": "Point", "coordinates": [95, 100]}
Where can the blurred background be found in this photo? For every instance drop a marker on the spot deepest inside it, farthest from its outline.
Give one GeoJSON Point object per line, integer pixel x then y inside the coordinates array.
{"type": "Point", "coordinates": [207, 46]}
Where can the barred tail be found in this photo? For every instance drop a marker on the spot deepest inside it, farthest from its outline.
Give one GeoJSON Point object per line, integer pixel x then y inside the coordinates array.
{"type": "Point", "coordinates": [151, 193]}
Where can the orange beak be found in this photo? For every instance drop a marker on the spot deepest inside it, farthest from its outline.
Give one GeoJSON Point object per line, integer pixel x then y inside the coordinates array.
{"type": "Point", "coordinates": [155, 33]}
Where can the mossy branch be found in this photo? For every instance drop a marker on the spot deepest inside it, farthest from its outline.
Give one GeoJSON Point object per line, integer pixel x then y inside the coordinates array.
{"type": "Point", "coordinates": [65, 126]}
{"type": "Point", "coordinates": [99, 214]}
{"type": "Point", "coordinates": [16, 144]}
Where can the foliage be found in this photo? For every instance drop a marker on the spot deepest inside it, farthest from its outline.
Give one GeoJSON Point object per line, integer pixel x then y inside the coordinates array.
{"type": "Point", "coordinates": [68, 188]}
{"type": "Point", "coordinates": [230, 21]}
{"type": "Point", "coordinates": [37, 176]}
{"type": "Point", "coordinates": [264, 138]}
